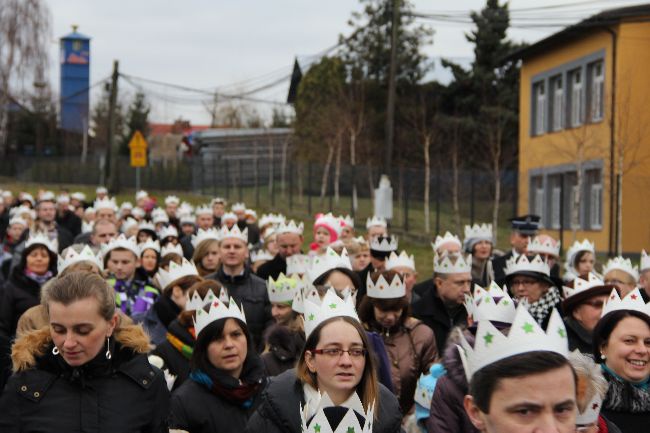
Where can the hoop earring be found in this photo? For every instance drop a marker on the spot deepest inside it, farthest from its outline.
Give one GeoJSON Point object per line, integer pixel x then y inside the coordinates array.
{"type": "Point", "coordinates": [108, 348]}
{"type": "Point", "coordinates": [55, 350]}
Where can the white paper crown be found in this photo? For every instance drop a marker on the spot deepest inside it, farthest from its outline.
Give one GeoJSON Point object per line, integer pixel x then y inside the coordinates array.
{"type": "Point", "coordinates": [138, 212]}
{"type": "Point", "coordinates": [283, 289]}
{"type": "Point", "coordinates": [63, 199]}
{"type": "Point", "coordinates": [423, 394]}
{"type": "Point", "coordinates": [218, 200]}
{"type": "Point", "coordinates": [577, 246]}
{"type": "Point", "coordinates": [271, 218]}
{"type": "Point", "coordinates": [347, 221]}
{"type": "Point", "coordinates": [483, 231]}
{"type": "Point", "coordinates": [441, 240]}
{"type": "Point", "coordinates": [172, 199]}
{"type": "Point", "coordinates": [591, 412]}
{"type": "Point", "coordinates": [452, 264]}
{"type": "Point", "coordinates": [203, 235]}
{"type": "Point", "coordinates": [331, 306]}
{"type": "Point", "coordinates": [101, 190]}
{"type": "Point", "coordinates": [632, 301]}
{"type": "Point", "coordinates": [238, 207]}
{"type": "Point", "coordinates": [47, 196]}
{"type": "Point", "coordinates": [141, 194]}
{"type": "Point", "coordinates": [176, 271]}
{"type": "Point", "coordinates": [319, 423]}
{"type": "Point", "coordinates": [71, 257]}
{"type": "Point", "coordinates": [386, 244]}
{"type": "Point", "coordinates": [537, 264]}
{"type": "Point", "coordinates": [621, 264]}
{"type": "Point", "coordinates": [290, 227]}
{"type": "Point", "coordinates": [298, 264]}
{"type": "Point", "coordinates": [525, 336]}
{"type": "Point", "coordinates": [186, 218]}
{"type": "Point", "coordinates": [42, 239]}
{"type": "Point", "coordinates": [121, 242]}
{"type": "Point", "coordinates": [144, 225]}
{"type": "Point", "coordinates": [149, 245]}
{"type": "Point", "coordinates": [384, 290]}
{"type": "Point", "coordinates": [329, 260]}
{"type": "Point", "coordinates": [197, 303]}
{"type": "Point", "coordinates": [159, 216]}
{"type": "Point", "coordinates": [483, 304]}
{"type": "Point", "coordinates": [127, 205]}
{"type": "Point", "coordinates": [105, 203]}
{"type": "Point", "coordinates": [257, 256]}
{"type": "Point", "coordinates": [645, 261]}
{"type": "Point", "coordinates": [582, 285]}
{"type": "Point", "coordinates": [233, 233]}
{"type": "Point", "coordinates": [171, 248]}
{"type": "Point", "coordinates": [203, 210]}
{"type": "Point", "coordinates": [228, 216]}
{"type": "Point", "coordinates": [306, 291]}
{"type": "Point", "coordinates": [545, 245]}
{"type": "Point", "coordinates": [79, 196]}
{"type": "Point", "coordinates": [185, 207]}
{"type": "Point", "coordinates": [218, 310]}
{"type": "Point", "coordinates": [330, 221]}
{"type": "Point", "coordinates": [17, 220]}
{"type": "Point", "coordinates": [376, 221]}
{"type": "Point", "coordinates": [403, 260]}
{"type": "Point", "coordinates": [128, 224]}
{"type": "Point", "coordinates": [168, 231]}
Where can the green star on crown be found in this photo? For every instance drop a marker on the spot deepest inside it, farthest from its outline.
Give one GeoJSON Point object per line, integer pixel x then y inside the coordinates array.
{"type": "Point", "coordinates": [488, 338]}
{"type": "Point", "coordinates": [562, 332]}
{"type": "Point", "coordinates": [528, 328]}
{"type": "Point", "coordinates": [350, 430]}
{"type": "Point", "coordinates": [332, 306]}
{"type": "Point", "coordinates": [317, 428]}
{"type": "Point", "coordinates": [311, 317]}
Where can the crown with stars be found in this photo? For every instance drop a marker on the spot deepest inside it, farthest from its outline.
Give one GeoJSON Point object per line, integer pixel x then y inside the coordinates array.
{"type": "Point", "coordinates": [384, 243]}
{"type": "Point", "coordinates": [175, 272]}
{"type": "Point", "coordinates": [171, 248]}
{"type": "Point", "coordinates": [105, 203]}
{"type": "Point", "coordinates": [290, 227]}
{"type": "Point", "coordinates": [376, 221]}
{"type": "Point", "coordinates": [70, 257]}
{"type": "Point", "coordinates": [401, 261]}
{"type": "Point", "coordinates": [307, 292]}
{"type": "Point", "coordinates": [141, 194]}
{"type": "Point", "coordinates": [298, 264]}
{"type": "Point", "coordinates": [525, 336]}
{"type": "Point", "coordinates": [233, 233]}
{"type": "Point", "coordinates": [585, 245]}
{"type": "Point", "coordinates": [581, 285]}
{"type": "Point", "coordinates": [382, 289]}
{"type": "Point", "coordinates": [347, 221]}
{"type": "Point", "coordinates": [149, 245]}
{"type": "Point", "coordinates": [545, 245]}
{"type": "Point", "coordinates": [144, 225]}
{"type": "Point", "coordinates": [168, 231]}
{"type": "Point", "coordinates": [159, 216]}
{"type": "Point", "coordinates": [39, 238]}
{"type": "Point", "coordinates": [329, 260]}
{"type": "Point", "coordinates": [282, 289]}
{"type": "Point", "coordinates": [204, 235]}
{"type": "Point", "coordinates": [621, 264]}
{"type": "Point", "coordinates": [483, 231]}
{"type": "Point", "coordinates": [128, 224]}
{"type": "Point", "coordinates": [218, 310]}
{"type": "Point", "coordinates": [452, 264]}
{"type": "Point", "coordinates": [260, 255]}
{"type": "Point", "coordinates": [491, 303]}
{"type": "Point", "coordinates": [523, 264]}
{"type": "Point", "coordinates": [447, 238]}
{"type": "Point", "coordinates": [195, 302]}
{"type": "Point", "coordinates": [426, 386]}
{"type": "Point", "coordinates": [331, 306]}
{"type": "Point", "coordinates": [314, 419]}
{"type": "Point", "coordinates": [589, 376]}
{"type": "Point", "coordinates": [632, 301]}
{"type": "Point", "coordinates": [121, 242]}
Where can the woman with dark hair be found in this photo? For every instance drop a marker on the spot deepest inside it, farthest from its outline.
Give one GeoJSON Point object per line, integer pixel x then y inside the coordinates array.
{"type": "Point", "coordinates": [580, 260]}
{"type": "Point", "coordinates": [227, 375]}
{"type": "Point", "coordinates": [149, 259]}
{"type": "Point", "coordinates": [409, 343]}
{"type": "Point", "coordinates": [479, 242]}
{"type": "Point", "coordinates": [336, 361]}
{"type": "Point", "coordinates": [621, 345]}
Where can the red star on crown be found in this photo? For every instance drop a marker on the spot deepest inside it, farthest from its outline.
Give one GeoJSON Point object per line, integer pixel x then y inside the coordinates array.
{"type": "Point", "coordinates": [215, 304]}
{"type": "Point", "coordinates": [633, 296]}
{"type": "Point", "coordinates": [595, 406]}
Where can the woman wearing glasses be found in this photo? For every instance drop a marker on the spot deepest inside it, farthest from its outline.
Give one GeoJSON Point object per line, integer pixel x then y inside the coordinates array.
{"type": "Point", "coordinates": [336, 361]}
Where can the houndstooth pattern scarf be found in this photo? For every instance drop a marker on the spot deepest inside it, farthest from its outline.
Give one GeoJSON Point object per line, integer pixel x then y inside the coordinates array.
{"type": "Point", "coordinates": [541, 309]}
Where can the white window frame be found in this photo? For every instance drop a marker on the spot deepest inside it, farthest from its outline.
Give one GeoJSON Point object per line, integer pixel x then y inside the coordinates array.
{"type": "Point", "coordinates": [595, 206]}
{"type": "Point", "coordinates": [540, 108]}
{"type": "Point", "coordinates": [556, 196]}
{"type": "Point", "coordinates": [577, 108]}
{"type": "Point", "coordinates": [597, 90]}
{"type": "Point", "coordinates": [558, 104]}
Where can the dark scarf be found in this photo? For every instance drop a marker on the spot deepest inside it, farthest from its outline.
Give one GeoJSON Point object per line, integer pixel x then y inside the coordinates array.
{"type": "Point", "coordinates": [624, 396]}
{"type": "Point", "coordinates": [166, 310]}
{"type": "Point", "coordinates": [541, 309]}
{"type": "Point", "coordinates": [181, 339]}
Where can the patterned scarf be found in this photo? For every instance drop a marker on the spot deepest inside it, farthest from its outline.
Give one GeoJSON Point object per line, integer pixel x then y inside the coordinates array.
{"type": "Point", "coordinates": [623, 396]}
{"type": "Point", "coordinates": [541, 309]}
{"type": "Point", "coordinates": [185, 349]}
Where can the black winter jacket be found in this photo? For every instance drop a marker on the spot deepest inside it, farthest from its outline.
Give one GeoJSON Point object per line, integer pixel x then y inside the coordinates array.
{"type": "Point", "coordinates": [284, 349]}
{"type": "Point", "coordinates": [20, 293]}
{"type": "Point", "coordinates": [272, 268]}
{"type": "Point", "coordinates": [176, 362]}
{"type": "Point", "coordinates": [279, 410]}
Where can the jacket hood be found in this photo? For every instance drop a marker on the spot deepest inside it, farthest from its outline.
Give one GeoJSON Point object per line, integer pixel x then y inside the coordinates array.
{"type": "Point", "coordinates": [33, 345]}
{"type": "Point", "coordinates": [451, 358]}
{"type": "Point", "coordinates": [284, 343]}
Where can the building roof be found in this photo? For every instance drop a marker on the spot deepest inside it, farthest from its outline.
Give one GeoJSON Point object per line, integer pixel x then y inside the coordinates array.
{"type": "Point", "coordinates": [174, 128]}
{"type": "Point", "coordinates": [242, 132]}
{"type": "Point", "coordinates": [602, 19]}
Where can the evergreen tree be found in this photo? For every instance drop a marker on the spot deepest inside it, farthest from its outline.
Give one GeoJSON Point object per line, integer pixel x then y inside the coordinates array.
{"type": "Point", "coordinates": [137, 119]}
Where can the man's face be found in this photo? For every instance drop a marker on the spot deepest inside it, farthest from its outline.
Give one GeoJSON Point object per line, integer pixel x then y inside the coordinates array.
{"type": "Point", "coordinates": [106, 214]}
{"type": "Point", "coordinates": [450, 248]}
{"type": "Point", "coordinates": [233, 252]}
{"type": "Point", "coordinates": [289, 244]}
{"type": "Point", "coordinates": [538, 403]}
{"type": "Point", "coordinates": [187, 229]}
{"type": "Point", "coordinates": [241, 215]}
{"type": "Point", "coordinates": [103, 233]}
{"type": "Point", "coordinates": [452, 288]}
{"type": "Point", "coordinates": [46, 211]}
{"type": "Point", "coordinates": [218, 209]}
{"type": "Point", "coordinates": [122, 264]}
{"type": "Point", "coordinates": [204, 221]}
{"type": "Point", "coordinates": [376, 231]}
{"type": "Point", "coordinates": [15, 231]}
{"type": "Point", "coordinates": [171, 209]}
{"type": "Point", "coordinates": [519, 241]}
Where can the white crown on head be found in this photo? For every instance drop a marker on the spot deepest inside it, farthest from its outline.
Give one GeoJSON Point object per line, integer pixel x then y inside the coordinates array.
{"type": "Point", "coordinates": [17, 220]}
{"type": "Point", "coordinates": [149, 245]}
{"type": "Point", "coordinates": [228, 216]}
{"type": "Point", "coordinates": [331, 306]}
{"type": "Point", "coordinates": [144, 225]}
{"type": "Point", "coordinates": [159, 216]}
{"type": "Point", "coordinates": [141, 194]}
{"type": "Point", "coordinates": [185, 207]}
{"type": "Point", "coordinates": [47, 196]}
{"type": "Point", "coordinates": [546, 245]}
{"type": "Point", "coordinates": [62, 199]}
{"type": "Point", "coordinates": [384, 290]}
{"type": "Point", "coordinates": [306, 291]}
{"type": "Point", "coordinates": [376, 221]}
{"type": "Point", "coordinates": [168, 231]}
{"type": "Point", "coordinates": [87, 227]}
{"type": "Point", "coordinates": [330, 221]}
{"type": "Point", "coordinates": [175, 272]}
{"type": "Point", "coordinates": [105, 203]}
{"type": "Point", "coordinates": [257, 256]}
{"type": "Point", "coordinates": [127, 205]}
{"type": "Point", "coordinates": [203, 210]}
{"type": "Point", "coordinates": [121, 242]}
{"type": "Point", "coordinates": [101, 190]}
{"type": "Point", "coordinates": [483, 231]}
{"type": "Point", "coordinates": [632, 301]}
{"type": "Point", "coordinates": [40, 238]}
{"type": "Point", "coordinates": [71, 257]}
{"type": "Point", "coordinates": [447, 238]}
{"type": "Point", "coordinates": [290, 227]}
{"type": "Point", "coordinates": [218, 310]}
{"type": "Point", "coordinates": [582, 285]}
{"type": "Point", "coordinates": [298, 264]}
{"type": "Point", "coordinates": [79, 196]}
{"type": "Point", "coordinates": [401, 261]}
{"type": "Point", "coordinates": [314, 412]}
{"type": "Point", "coordinates": [138, 212]}
{"type": "Point", "coordinates": [329, 260]}
{"type": "Point", "coordinates": [282, 289]}
{"type": "Point", "coordinates": [233, 233]}
{"type": "Point", "coordinates": [386, 244]}
{"type": "Point", "coordinates": [645, 261]}
{"type": "Point", "coordinates": [483, 304]}
{"type": "Point", "coordinates": [585, 245]}
{"type": "Point", "coordinates": [525, 336]}
{"type": "Point", "coordinates": [347, 221]}
{"type": "Point", "coordinates": [621, 264]}
{"type": "Point", "coordinates": [197, 303]}
{"type": "Point", "coordinates": [172, 199]}
{"type": "Point", "coordinates": [186, 218]}
{"type": "Point", "coordinates": [218, 200]}
{"type": "Point", "coordinates": [271, 218]}
{"type": "Point", "coordinates": [204, 235]}
{"type": "Point", "coordinates": [128, 224]}
{"type": "Point", "coordinates": [171, 248]}
{"type": "Point", "coordinates": [452, 264]}
{"type": "Point", "coordinates": [238, 207]}
{"type": "Point", "coordinates": [522, 264]}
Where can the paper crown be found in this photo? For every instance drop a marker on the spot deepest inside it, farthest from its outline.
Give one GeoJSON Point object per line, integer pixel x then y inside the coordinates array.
{"type": "Point", "coordinates": [63, 199]}
{"type": "Point", "coordinates": [141, 195]}
{"type": "Point", "coordinates": [523, 264]}
{"type": "Point", "coordinates": [204, 235]}
{"type": "Point", "coordinates": [185, 207]}
{"type": "Point", "coordinates": [577, 246]}
{"type": "Point", "coordinates": [203, 210]}
{"type": "Point", "coordinates": [645, 261]}
{"type": "Point", "coordinates": [591, 412]}
{"type": "Point", "coordinates": [233, 233]}
{"type": "Point", "coordinates": [621, 264]}
{"type": "Point", "coordinates": [47, 196]}
{"type": "Point", "coordinates": [197, 303]}
{"type": "Point", "coordinates": [331, 306]}
{"type": "Point", "coordinates": [105, 203]}
{"type": "Point", "coordinates": [382, 289]}
{"type": "Point", "coordinates": [218, 310]}
{"type": "Point", "coordinates": [298, 264]}
{"type": "Point", "coordinates": [71, 257]}
{"type": "Point", "coordinates": [168, 231]}
{"type": "Point", "coordinates": [79, 196]}
{"type": "Point", "coordinates": [159, 216]}
{"type": "Point", "coordinates": [128, 224]}
{"type": "Point", "coordinates": [384, 243]}
{"type": "Point", "coordinates": [347, 221]}
{"type": "Point", "coordinates": [483, 231]}
{"type": "Point", "coordinates": [101, 190]}
{"type": "Point", "coordinates": [218, 200]}
{"type": "Point", "coordinates": [144, 225]}
{"type": "Point", "coordinates": [228, 216]}
{"type": "Point", "coordinates": [447, 238]}
{"type": "Point", "coordinates": [314, 419]}
{"type": "Point", "coordinates": [39, 238]}
{"type": "Point", "coordinates": [186, 218]}
{"type": "Point", "coordinates": [632, 301]}
{"type": "Point", "coordinates": [401, 261]}
{"type": "Point", "coordinates": [149, 245]}
{"type": "Point", "coordinates": [250, 213]}
{"type": "Point", "coordinates": [330, 221]}
{"type": "Point", "coordinates": [172, 199]}
{"type": "Point", "coordinates": [121, 242]}
{"type": "Point", "coordinates": [306, 291]}
{"type": "Point", "coordinates": [545, 245]}
{"type": "Point", "coordinates": [127, 205]}
{"type": "Point", "coordinates": [525, 336]}
{"type": "Point", "coordinates": [171, 248]}
{"type": "Point", "coordinates": [492, 303]}
{"type": "Point", "coordinates": [257, 256]}
{"type": "Point", "coordinates": [290, 227]}
{"type": "Point", "coordinates": [17, 220]}
{"type": "Point", "coordinates": [282, 289]}
{"type": "Point", "coordinates": [175, 272]}
{"type": "Point", "coordinates": [138, 212]}
{"type": "Point", "coordinates": [452, 264]}
{"type": "Point", "coordinates": [581, 285]}
{"type": "Point", "coordinates": [328, 261]}
{"type": "Point", "coordinates": [238, 207]}
{"type": "Point", "coordinates": [376, 221]}
{"type": "Point", "coordinates": [273, 219]}
{"type": "Point", "coordinates": [87, 227]}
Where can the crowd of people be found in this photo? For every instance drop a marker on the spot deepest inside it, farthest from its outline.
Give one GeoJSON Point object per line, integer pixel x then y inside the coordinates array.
{"type": "Point", "coordinates": [121, 317]}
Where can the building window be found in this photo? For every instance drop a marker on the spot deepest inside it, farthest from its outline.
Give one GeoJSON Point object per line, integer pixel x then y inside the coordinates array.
{"type": "Point", "coordinates": [596, 91]}
{"type": "Point", "coordinates": [554, 202]}
{"type": "Point", "coordinates": [537, 196]}
{"type": "Point", "coordinates": [539, 108]}
{"type": "Point", "coordinates": [594, 198]}
{"type": "Point", "coordinates": [557, 103]}
{"type": "Point", "coordinates": [576, 101]}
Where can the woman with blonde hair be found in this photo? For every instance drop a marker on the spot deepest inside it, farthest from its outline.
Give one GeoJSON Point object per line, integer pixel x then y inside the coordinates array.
{"type": "Point", "coordinates": [206, 257]}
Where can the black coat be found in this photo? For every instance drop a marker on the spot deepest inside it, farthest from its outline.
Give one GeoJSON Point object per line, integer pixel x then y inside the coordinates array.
{"type": "Point", "coordinates": [176, 362]}
{"type": "Point", "coordinates": [272, 268]}
{"type": "Point", "coordinates": [279, 410]}
{"type": "Point", "coordinates": [19, 294]}
{"type": "Point", "coordinates": [284, 349]}
{"type": "Point", "coordinates": [188, 248]}
{"type": "Point", "coordinates": [125, 394]}
{"type": "Point", "coordinates": [579, 338]}
{"type": "Point", "coordinates": [69, 221]}
{"type": "Point", "coordinates": [499, 267]}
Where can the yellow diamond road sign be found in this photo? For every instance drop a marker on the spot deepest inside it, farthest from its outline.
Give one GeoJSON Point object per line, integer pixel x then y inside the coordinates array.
{"type": "Point", "coordinates": [138, 147]}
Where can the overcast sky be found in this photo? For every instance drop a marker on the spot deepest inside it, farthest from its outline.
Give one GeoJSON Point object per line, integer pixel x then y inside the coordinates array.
{"type": "Point", "coordinates": [214, 43]}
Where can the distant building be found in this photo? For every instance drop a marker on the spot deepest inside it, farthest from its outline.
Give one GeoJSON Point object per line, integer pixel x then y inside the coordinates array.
{"type": "Point", "coordinates": [170, 141]}
{"type": "Point", "coordinates": [75, 82]}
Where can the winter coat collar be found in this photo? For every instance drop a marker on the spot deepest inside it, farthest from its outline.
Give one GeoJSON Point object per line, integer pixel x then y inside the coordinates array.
{"type": "Point", "coordinates": [232, 279]}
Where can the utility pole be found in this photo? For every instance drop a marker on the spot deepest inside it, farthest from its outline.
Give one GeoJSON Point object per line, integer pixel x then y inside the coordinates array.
{"type": "Point", "coordinates": [113, 149]}
{"type": "Point", "coordinates": [390, 106]}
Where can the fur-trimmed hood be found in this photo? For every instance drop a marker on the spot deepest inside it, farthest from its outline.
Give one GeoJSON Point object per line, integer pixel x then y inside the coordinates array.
{"type": "Point", "coordinates": [451, 358]}
{"type": "Point", "coordinates": [33, 345]}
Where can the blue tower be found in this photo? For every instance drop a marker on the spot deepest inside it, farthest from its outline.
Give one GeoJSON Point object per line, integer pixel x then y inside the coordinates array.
{"type": "Point", "coordinates": [75, 81]}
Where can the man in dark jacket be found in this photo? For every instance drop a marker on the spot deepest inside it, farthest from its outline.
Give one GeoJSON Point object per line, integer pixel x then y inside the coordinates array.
{"type": "Point", "coordinates": [289, 241]}
{"type": "Point", "coordinates": [523, 228]}
{"type": "Point", "coordinates": [65, 217]}
{"type": "Point", "coordinates": [46, 222]}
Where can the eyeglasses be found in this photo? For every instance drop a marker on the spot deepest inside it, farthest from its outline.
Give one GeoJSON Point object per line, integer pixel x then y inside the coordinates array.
{"type": "Point", "coordinates": [522, 283]}
{"type": "Point", "coordinates": [355, 352]}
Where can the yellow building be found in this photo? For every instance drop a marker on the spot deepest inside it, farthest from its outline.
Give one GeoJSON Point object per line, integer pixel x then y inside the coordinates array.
{"type": "Point", "coordinates": [584, 131]}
